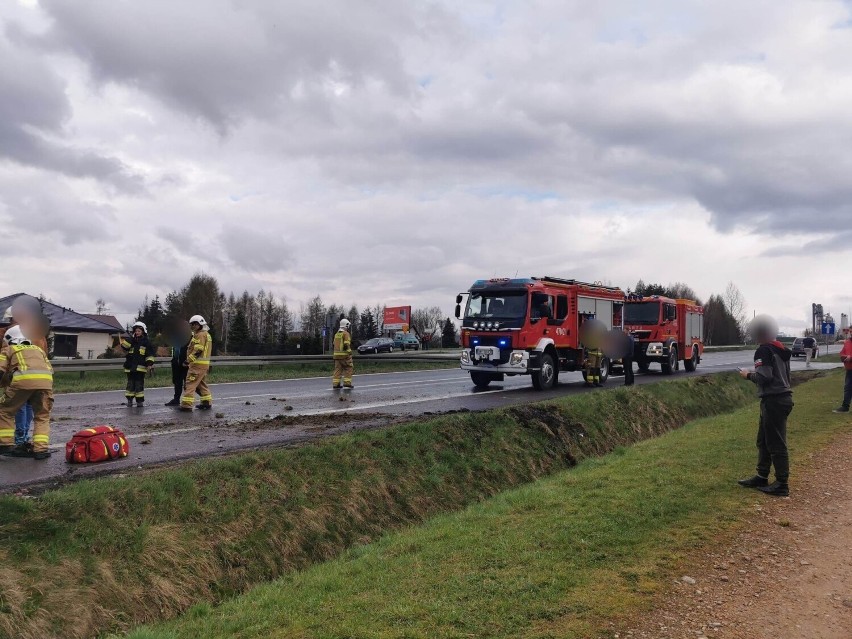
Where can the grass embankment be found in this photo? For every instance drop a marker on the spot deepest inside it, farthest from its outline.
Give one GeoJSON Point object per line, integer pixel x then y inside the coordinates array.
{"type": "Point", "coordinates": [573, 555]}
{"type": "Point", "coordinates": [105, 554]}
{"type": "Point", "coordinates": [112, 380]}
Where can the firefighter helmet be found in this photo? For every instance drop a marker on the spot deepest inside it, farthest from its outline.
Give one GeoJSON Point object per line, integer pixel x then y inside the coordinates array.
{"type": "Point", "coordinates": [344, 325]}
{"type": "Point", "coordinates": [142, 326]}
{"type": "Point", "coordinates": [14, 335]}
{"type": "Point", "coordinates": [197, 319]}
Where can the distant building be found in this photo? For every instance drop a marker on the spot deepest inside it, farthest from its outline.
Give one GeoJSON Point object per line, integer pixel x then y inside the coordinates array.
{"type": "Point", "coordinates": [73, 333]}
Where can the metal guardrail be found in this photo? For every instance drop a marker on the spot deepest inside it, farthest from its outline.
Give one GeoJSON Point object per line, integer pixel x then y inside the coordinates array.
{"type": "Point", "coordinates": [84, 366]}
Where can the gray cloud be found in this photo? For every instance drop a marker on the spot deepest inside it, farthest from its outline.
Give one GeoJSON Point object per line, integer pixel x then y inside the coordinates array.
{"type": "Point", "coordinates": [33, 113]}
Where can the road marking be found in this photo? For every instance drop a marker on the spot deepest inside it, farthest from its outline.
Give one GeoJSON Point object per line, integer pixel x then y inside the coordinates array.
{"type": "Point", "coordinates": [272, 381]}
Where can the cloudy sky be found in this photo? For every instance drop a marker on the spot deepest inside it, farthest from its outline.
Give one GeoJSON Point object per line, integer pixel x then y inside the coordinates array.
{"type": "Point", "coordinates": [378, 151]}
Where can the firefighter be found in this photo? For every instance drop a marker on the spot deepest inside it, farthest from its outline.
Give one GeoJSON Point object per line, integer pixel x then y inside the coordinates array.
{"type": "Point", "coordinates": [138, 363]}
{"type": "Point", "coordinates": [30, 378]}
{"type": "Point", "coordinates": [343, 366]}
{"type": "Point", "coordinates": [594, 357]}
{"type": "Point", "coordinates": [198, 365]}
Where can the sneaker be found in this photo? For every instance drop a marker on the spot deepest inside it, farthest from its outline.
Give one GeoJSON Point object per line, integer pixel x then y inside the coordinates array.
{"type": "Point", "coordinates": [754, 482]}
{"type": "Point", "coordinates": [841, 409]}
{"type": "Point", "coordinates": [174, 402]}
{"type": "Point", "coordinates": [21, 450]}
{"type": "Point", "coordinates": [776, 489]}
{"type": "Point", "coordinates": [44, 454]}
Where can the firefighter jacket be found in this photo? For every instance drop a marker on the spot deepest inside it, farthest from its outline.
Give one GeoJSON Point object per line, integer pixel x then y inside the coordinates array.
{"type": "Point", "coordinates": [342, 344]}
{"type": "Point", "coordinates": [200, 348]}
{"type": "Point", "coordinates": [26, 367]}
{"type": "Point", "coordinates": [140, 353]}
{"type": "Point", "coordinates": [594, 357]}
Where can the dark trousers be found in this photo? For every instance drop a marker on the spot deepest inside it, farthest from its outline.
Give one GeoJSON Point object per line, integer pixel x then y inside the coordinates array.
{"type": "Point", "coordinates": [178, 378]}
{"type": "Point", "coordinates": [628, 371]}
{"type": "Point", "coordinates": [847, 389]}
{"type": "Point", "coordinates": [135, 386]}
{"type": "Point", "coordinates": [772, 436]}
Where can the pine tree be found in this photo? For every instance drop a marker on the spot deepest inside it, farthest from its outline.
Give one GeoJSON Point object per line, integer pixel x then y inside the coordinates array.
{"type": "Point", "coordinates": [238, 335]}
{"type": "Point", "coordinates": [448, 335]}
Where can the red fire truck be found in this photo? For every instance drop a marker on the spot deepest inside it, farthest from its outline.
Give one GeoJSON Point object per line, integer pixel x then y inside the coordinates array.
{"type": "Point", "coordinates": [530, 326]}
{"type": "Point", "coordinates": [666, 330]}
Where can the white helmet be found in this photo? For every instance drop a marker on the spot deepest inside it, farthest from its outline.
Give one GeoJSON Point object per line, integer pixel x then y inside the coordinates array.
{"type": "Point", "coordinates": [142, 326]}
{"type": "Point", "coordinates": [344, 324]}
{"type": "Point", "coordinates": [197, 319]}
{"type": "Point", "coordinates": [15, 335]}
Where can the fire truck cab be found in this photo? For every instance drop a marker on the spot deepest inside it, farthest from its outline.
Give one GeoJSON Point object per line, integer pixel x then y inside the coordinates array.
{"type": "Point", "coordinates": [530, 326]}
{"type": "Point", "coordinates": [666, 331]}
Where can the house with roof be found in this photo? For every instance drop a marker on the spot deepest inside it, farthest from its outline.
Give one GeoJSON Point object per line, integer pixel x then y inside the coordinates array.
{"type": "Point", "coordinates": [72, 334]}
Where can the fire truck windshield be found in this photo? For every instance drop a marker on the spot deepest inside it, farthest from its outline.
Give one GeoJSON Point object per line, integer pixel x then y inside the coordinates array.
{"type": "Point", "coordinates": [642, 313]}
{"type": "Point", "coordinates": [506, 305]}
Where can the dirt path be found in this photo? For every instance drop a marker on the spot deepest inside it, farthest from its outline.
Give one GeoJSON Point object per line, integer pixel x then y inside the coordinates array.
{"type": "Point", "coordinates": [788, 577]}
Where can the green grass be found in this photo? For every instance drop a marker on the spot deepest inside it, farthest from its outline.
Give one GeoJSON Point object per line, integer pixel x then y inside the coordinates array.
{"type": "Point", "coordinates": [564, 557]}
{"type": "Point", "coordinates": [109, 553]}
{"type": "Point", "coordinates": [112, 380]}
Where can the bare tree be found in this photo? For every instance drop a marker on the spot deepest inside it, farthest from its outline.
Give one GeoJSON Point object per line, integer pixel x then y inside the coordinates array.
{"type": "Point", "coordinates": [735, 305]}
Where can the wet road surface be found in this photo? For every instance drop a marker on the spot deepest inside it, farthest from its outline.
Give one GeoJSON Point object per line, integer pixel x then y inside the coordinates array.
{"type": "Point", "coordinates": [278, 413]}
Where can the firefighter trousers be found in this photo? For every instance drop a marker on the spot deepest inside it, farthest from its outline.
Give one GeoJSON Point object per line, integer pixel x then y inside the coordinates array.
{"type": "Point", "coordinates": [343, 369]}
{"type": "Point", "coordinates": [135, 386]}
{"type": "Point", "coordinates": [196, 382]}
{"type": "Point", "coordinates": [42, 402]}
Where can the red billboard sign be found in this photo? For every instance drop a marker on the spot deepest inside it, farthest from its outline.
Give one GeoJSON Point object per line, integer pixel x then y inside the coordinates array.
{"type": "Point", "coordinates": [397, 318]}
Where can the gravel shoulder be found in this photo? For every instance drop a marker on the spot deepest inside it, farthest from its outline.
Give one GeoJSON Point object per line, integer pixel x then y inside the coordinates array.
{"type": "Point", "coordinates": [787, 574]}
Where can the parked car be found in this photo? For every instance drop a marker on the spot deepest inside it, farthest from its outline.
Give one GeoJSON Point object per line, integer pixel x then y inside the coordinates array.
{"type": "Point", "coordinates": [406, 341]}
{"type": "Point", "coordinates": [377, 345]}
{"type": "Point", "coordinates": [802, 344]}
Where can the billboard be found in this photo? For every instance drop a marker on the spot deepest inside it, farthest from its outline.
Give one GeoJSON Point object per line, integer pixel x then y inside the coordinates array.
{"type": "Point", "coordinates": [397, 318]}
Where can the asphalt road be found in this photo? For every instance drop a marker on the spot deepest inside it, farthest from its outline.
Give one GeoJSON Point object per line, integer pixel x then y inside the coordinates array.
{"type": "Point", "coordinates": [276, 413]}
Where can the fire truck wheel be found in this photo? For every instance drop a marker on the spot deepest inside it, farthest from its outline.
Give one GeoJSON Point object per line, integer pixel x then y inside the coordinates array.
{"type": "Point", "coordinates": [480, 380]}
{"type": "Point", "coordinates": [692, 362]}
{"type": "Point", "coordinates": [545, 378]}
{"type": "Point", "coordinates": [670, 366]}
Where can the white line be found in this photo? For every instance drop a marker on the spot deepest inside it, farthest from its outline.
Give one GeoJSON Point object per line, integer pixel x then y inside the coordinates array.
{"type": "Point", "coordinates": [265, 381]}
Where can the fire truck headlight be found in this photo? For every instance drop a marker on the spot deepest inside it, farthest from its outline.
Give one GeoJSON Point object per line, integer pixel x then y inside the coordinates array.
{"type": "Point", "coordinates": [465, 357]}
{"type": "Point", "coordinates": [655, 349]}
{"type": "Point", "coordinates": [516, 359]}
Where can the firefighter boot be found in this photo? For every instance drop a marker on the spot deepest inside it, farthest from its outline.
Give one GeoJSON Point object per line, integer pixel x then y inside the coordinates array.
{"type": "Point", "coordinates": [42, 455]}
{"type": "Point", "coordinates": [21, 450]}
{"type": "Point", "coordinates": [129, 402]}
{"type": "Point", "coordinates": [204, 406]}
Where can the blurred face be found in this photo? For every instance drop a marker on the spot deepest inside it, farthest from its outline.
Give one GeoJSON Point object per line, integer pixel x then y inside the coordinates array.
{"type": "Point", "coordinates": [195, 326]}
{"type": "Point", "coordinates": [137, 332]}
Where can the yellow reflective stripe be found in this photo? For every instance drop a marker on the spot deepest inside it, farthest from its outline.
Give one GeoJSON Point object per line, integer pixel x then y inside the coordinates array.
{"type": "Point", "coordinates": [7, 432]}
{"type": "Point", "coordinates": [25, 376]}
{"type": "Point", "coordinates": [41, 439]}
{"type": "Point", "coordinates": [200, 361]}
{"type": "Point", "coordinates": [3, 358]}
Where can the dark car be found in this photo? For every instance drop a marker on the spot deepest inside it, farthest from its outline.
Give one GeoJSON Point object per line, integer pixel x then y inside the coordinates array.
{"type": "Point", "coordinates": [802, 344]}
{"type": "Point", "coordinates": [377, 345]}
{"type": "Point", "coordinates": [406, 341]}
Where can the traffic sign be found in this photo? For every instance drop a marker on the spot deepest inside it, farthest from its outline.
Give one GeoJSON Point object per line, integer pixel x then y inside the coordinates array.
{"type": "Point", "coordinates": [828, 328]}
